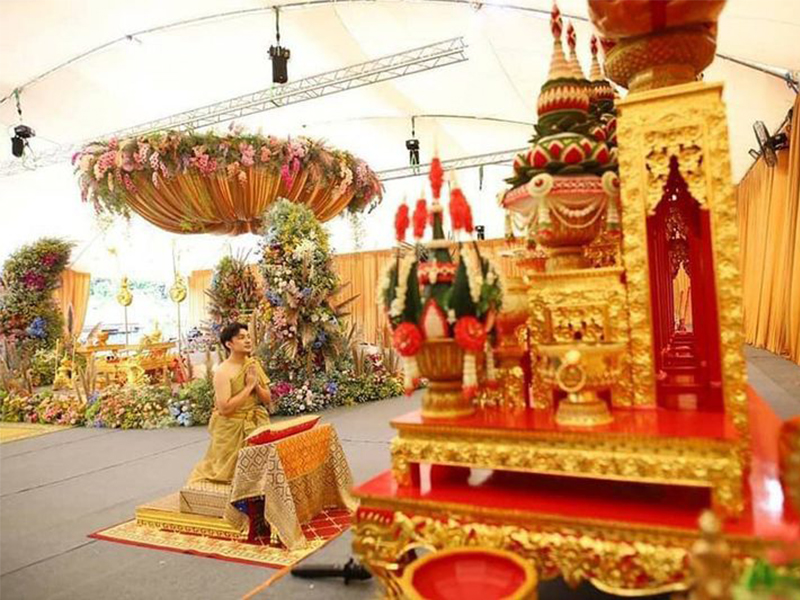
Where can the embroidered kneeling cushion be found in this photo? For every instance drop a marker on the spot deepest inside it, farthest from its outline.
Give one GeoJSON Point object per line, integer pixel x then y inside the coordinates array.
{"type": "Point", "coordinates": [205, 498]}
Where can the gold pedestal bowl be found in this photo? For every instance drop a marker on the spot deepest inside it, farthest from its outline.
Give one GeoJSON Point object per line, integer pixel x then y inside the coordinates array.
{"type": "Point", "coordinates": [441, 362]}
{"type": "Point", "coordinates": [583, 371]}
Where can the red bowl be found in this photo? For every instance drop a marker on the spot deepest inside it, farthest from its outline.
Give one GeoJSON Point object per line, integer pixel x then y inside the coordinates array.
{"type": "Point", "coordinates": [470, 574]}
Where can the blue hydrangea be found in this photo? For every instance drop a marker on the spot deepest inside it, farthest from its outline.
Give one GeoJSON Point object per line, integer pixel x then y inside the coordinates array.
{"type": "Point", "coordinates": [331, 387]}
{"type": "Point", "coordinates": [306, 292]}
{"type": "Point", "coordinates": [37, 328]}
{"type": "Point", "coordinates": [274, 298]}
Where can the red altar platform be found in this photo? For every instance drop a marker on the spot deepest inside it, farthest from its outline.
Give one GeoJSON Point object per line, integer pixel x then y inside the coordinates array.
{"type": "Point", "coordinates": [622, 536]}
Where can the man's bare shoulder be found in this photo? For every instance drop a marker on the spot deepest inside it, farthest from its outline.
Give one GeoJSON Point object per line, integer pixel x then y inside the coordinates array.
{"type": "Point", "coordinates": [226, 371]}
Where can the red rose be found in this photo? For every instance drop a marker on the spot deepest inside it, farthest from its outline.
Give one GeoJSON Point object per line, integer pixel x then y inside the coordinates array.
{"type": "Point", "coordinates": [407, 339]}
{"type": "Point", "coordinates": [470, 334]}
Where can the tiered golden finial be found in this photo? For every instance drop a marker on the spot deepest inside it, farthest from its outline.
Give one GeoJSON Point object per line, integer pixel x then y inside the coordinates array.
{"type": "Point", "coordinates": [601, 90]}
{"type": "Point", "coordinates": [562, 90]}
{"type": "Point", "coordinates": [572, 55]}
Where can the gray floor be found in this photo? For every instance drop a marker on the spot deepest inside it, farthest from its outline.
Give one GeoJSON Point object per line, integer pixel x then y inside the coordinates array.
{"type": "Point", "coordinates": [58, 488]}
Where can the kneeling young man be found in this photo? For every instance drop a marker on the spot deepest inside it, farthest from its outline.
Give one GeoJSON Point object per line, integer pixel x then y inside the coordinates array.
{"type": "Point", "coordinates": [241, 399]}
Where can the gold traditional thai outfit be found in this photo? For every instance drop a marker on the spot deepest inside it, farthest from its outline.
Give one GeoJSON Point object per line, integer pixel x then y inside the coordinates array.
{"type": "Point", "coordinates": [228, 433]}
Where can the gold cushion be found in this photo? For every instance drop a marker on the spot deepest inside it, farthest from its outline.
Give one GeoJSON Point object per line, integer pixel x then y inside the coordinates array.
{"type": "Point", "coordinates": [205, 498]}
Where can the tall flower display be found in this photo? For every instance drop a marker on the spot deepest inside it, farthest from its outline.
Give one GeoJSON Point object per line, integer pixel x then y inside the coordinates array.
{"type": "Point", "coordinates": [28, 315]}
{"type": "Point", "coordinates": [306, 348]}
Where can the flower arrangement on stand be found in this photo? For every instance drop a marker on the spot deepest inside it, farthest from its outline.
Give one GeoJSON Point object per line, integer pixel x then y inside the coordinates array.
{"type": "Point", "coordinates": [305, 341]}
{"type": "Point", "coordinates": [30, 321]}
{"type": "Point", "coordinates": [192, 182]}
{"type": "Point", "coordinates": [306, 349]}
{"type": "Point", "coordinates": [441, 303]}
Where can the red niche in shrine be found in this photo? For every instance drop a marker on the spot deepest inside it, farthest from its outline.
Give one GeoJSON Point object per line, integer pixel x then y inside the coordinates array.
{"type": "Point", "coordinates": [686, 334]}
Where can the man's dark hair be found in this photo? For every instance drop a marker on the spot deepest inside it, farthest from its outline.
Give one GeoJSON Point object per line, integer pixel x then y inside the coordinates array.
{"type": "Point", "coordinates": [229, 332]}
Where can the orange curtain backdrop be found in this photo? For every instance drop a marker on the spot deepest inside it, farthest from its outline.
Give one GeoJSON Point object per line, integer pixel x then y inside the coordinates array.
{"type": "Point", "coordinates": [769, 230]}
{"type": "Point", "coordinates": [362, 272]}
{"type": "Point", "coordinates": [74, 292]}
{"type": "Point", "coordinates": [199, 282]}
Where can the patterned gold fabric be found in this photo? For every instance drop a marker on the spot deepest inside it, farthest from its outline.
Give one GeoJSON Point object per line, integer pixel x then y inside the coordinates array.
{"type": "Point", "coordinates": [298, 477]}
{"type": "Point", "coordinates": [228, 433]}
{"type": "Point", "coordinates": [205, 498]}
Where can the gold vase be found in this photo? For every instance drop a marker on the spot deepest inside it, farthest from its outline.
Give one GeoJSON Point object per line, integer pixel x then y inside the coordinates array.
{"type": "Point", "coordinates": [441, 362]}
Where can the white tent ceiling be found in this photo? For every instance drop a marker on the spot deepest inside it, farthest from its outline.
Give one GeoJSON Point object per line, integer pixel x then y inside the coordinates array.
{"type": "Point", "coordinates": [157, 74]}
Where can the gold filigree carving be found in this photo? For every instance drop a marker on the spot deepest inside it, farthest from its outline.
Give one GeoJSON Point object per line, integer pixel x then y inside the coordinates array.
{"type": "Point", "coordinates": [588, 305]}
{"type": "Point", "coordinates": [614, 558]}
{"type": "Point", "coordinates": [692, 462]}
{"type": "Point", "coordinates": [688, 122]}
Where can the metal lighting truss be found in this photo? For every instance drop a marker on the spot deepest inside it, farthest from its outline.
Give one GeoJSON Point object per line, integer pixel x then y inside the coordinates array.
{"type": "Point", "coordinates": [393, 66]}
{"type": "Point", "coordinates": [465, 162]}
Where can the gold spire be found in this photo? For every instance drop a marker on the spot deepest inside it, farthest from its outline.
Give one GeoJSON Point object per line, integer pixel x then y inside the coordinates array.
{"type": "Point", "coordinates": [572, 55]}
{"type": "Point", "coordinates": [595, 74]}
{"type": "Point", "coordinates": [559, 68]}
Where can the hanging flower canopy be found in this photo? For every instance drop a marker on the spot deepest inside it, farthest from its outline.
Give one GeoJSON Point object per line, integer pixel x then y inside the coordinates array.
{"type": "Point", "coordinates": [189, 182]}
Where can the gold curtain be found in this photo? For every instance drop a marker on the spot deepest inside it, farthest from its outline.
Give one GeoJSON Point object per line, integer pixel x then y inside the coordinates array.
{"type": "Point", "coordinates": [74, 292]}
{"type": "Point", "coordinates": [769, 230]}
{"type": "Point", "coordinates": [199, 282]}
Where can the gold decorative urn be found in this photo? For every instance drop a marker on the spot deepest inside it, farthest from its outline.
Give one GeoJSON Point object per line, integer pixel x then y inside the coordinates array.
{"type": "Point", "coordinates": [441, 362]}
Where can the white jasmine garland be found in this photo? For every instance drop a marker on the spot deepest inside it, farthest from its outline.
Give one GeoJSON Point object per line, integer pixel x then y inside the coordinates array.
{"type": "Point", "coordinates": [474, 272]}
{"type": "Point", "coordinates": [399, 303]}
{"type": "Point", "coordinates": [385, 282]}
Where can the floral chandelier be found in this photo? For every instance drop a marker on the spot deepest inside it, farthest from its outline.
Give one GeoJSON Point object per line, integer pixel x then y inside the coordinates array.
{"type": "Point", "coordinates": [189, 182]}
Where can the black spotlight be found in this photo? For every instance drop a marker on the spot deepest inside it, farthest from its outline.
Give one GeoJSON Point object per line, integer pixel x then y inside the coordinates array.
{"type": "Point", "coordinates": [480, 231]}
{"type": "Point", "coordinates": [279, 55]}
{"type": "Point", "coordinates": [412, 146]}
{"type": "Point", "coordinates": [22, 133]}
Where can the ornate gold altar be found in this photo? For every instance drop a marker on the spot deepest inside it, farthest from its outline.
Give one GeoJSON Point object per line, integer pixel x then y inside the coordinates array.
{"type": "Point", "coordinates": [121, 363]}
{"type": "Point", "coordinates": [615, 424]}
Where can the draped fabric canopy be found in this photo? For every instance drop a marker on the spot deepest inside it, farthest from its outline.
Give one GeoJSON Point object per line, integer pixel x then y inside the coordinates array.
{"type": "Point", "coordinates": [769, 230]}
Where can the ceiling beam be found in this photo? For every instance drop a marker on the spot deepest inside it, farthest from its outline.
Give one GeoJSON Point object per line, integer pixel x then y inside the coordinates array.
{"type": "Point", "coordinates": [454, 164]}
{"type": "Point", "coordinates": [385, 68]}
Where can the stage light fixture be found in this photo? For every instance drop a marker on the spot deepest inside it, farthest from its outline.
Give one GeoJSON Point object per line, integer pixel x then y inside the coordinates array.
{"type": "Point", "coordinates": [279, 55]}
{"type": "Point", "coordinates": [22, 133]}
{"type": "Point", "coordinates": [412, 145]}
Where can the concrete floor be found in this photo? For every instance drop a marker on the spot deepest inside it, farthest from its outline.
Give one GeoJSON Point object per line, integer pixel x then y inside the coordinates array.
{"type": "Point", "coordinates": [58, 488]}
